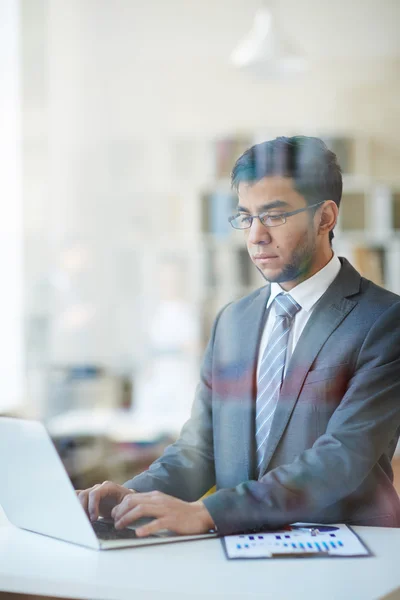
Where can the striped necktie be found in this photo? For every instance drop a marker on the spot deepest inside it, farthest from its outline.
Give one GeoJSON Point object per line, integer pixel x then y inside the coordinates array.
{"type": "Point", "coordinates": [271, 371]}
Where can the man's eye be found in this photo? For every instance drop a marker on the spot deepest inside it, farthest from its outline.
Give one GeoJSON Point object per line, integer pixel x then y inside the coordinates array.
{"type": "Point", "coordinates": [244, 219]}
{"type": "Point", "coordinates": [269, 217]}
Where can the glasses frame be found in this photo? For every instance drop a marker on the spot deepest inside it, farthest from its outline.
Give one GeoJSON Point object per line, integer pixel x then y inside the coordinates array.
{"type": "Point", "coordinates": [283, 216]}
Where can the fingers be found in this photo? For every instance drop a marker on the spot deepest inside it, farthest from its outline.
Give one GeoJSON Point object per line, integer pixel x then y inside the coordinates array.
{"type": "Point", "coordinates": [168, 512]}
{"type": "Point", "coordinates": [102, 496]}
{"type": "Point", "coordinates": [152, 527]}
{"type": "Point", "coordinates": [130, 516]}
{"type": "Point", "coordinates": [83, 496]}
{"type": "Point", "coordinates": [95, 496]}
{"type": "Point", "coordinates": [131, 501]}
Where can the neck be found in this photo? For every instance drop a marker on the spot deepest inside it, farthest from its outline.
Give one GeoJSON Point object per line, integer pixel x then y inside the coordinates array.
{"type": "Point", "coordinates": [319, 263]}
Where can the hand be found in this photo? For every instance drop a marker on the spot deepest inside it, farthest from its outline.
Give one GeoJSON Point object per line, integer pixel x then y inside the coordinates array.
{"type": "Point", "coordinates": [169, 513]}
{"type": "Point", "coordinates": [100, 499]}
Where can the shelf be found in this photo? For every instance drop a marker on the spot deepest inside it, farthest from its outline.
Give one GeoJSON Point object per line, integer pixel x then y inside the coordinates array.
{"type": "Point", "coordinates": [396, 211]}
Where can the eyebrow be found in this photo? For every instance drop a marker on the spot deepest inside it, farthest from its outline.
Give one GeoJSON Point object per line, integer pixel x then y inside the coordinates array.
{"type": "Point", "coordinates": [266, 207]}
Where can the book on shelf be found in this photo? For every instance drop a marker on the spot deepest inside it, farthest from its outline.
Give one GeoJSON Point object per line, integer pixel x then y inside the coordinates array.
{"type": "Point", "coordinates": [369, 261]}
{"type": "Point", "coordinates": [227, 151]}
{"type": "Point", "coordinates": [217, 207]}
{"type": "Point", "coordinates": [353, 211]}
{"type": "Point", "coordinates": [209, 268]}
{"type": "Point", "coordinates": [245, 267]}
{"type": "Point", "coordinates": [396, 210]}
{"type": "Point", "coordinates": [344, 148]}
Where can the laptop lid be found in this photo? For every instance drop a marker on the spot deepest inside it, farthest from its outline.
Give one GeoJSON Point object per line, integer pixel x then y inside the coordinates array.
{"type": "Point", "coordinates": [36, 492]}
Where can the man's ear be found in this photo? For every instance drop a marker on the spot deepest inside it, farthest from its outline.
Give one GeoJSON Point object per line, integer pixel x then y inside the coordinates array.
{"type": "Point", "coordinates": [328, 217]}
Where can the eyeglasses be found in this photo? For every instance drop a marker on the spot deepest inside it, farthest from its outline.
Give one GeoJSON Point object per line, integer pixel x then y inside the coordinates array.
{"type": "Point", "coordinates": [244, 221]}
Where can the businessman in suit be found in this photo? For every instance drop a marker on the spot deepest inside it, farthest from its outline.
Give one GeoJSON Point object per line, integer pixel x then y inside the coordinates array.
{"type": "Point", "coordinates": [297, 413]}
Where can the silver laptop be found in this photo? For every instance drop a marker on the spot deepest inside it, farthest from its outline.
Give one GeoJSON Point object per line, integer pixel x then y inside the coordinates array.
{"type": "Point", "coordinates": [36, 493]}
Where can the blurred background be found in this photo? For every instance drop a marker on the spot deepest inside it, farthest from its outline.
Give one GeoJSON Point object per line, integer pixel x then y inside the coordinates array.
{"type": "Point", "coordinates": [120, 122]}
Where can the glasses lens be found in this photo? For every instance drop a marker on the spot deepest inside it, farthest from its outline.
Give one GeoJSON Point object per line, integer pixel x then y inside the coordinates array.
{"type": "Point", "coordinates": [241, 222]}
{"type": "Point", "coordinates": [273, 220]}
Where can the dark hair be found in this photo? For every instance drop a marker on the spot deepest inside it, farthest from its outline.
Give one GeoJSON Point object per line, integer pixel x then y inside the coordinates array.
{"type": "Point", "coordinates": [307, 160]}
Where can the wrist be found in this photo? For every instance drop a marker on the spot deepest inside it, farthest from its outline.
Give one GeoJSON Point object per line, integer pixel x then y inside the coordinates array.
{"type": "Point", "coordinates": [205, 515]}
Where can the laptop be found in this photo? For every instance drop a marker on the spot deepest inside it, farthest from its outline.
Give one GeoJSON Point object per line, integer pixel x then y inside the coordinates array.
{"type": "Point", "coordinates": [37, 494]}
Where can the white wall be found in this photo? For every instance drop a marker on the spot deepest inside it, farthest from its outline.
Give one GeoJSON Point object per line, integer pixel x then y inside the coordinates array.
{"type": "Point", "coordinates": [11, 232]}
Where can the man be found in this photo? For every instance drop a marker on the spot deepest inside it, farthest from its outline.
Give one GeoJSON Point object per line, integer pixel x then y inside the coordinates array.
{"type": "Point", "coordinates": [297, 413]}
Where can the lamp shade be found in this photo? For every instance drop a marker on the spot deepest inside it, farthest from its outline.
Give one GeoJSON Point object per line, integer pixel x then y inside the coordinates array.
{"type": "Point", "coordinates": [264, 50]}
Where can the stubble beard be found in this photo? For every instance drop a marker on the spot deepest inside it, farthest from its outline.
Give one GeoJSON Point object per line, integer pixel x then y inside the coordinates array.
{"type": "Point", "coordinates": [300, 262]}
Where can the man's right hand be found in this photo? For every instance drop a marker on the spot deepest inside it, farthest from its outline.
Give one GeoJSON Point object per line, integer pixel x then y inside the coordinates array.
{"type": "Point", "coordinates": [99, 500]}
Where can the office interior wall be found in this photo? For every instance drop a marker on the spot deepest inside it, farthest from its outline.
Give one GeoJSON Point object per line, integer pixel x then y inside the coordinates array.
{"type": "Point", "coordinates": [11, 230]}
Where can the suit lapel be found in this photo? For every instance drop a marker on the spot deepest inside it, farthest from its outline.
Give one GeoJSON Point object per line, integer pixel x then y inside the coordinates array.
{"type": "Point", "coordinates": [329, 312]}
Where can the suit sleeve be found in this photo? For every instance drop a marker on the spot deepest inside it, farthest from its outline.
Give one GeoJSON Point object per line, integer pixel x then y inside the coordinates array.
{"type": "Point", "coordinates": [186, 468]}
{"type": "Point", "coordinates": [358, 433]}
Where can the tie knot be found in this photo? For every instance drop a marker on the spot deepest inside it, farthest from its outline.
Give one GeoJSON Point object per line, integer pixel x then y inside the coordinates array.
{"type": "Point", "coordinates": [286, 306]}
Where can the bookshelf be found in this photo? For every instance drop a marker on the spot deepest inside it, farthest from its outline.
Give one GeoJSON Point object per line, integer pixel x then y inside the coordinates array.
{"type": "Point", "coordinates": [368, 232]}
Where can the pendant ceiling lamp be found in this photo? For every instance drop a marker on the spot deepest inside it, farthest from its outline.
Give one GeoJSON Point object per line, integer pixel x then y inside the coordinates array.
{"type": "Point", "coordinates": [265, 52]}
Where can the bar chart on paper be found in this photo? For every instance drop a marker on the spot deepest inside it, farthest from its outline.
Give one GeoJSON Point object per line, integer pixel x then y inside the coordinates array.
{"type": "Point", "coordinates": [299, 539]}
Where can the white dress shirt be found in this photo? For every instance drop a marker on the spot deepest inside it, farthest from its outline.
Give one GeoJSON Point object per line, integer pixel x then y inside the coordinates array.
{"type": "Point", "coordinates": [306, 295]}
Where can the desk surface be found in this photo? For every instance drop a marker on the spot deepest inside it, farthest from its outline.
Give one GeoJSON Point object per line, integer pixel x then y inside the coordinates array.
{"type": "Point", "coordinates": [34, 564]}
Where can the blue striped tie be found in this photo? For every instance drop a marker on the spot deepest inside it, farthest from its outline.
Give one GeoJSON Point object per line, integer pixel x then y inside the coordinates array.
{"type": "Point", "coordinates": [271, 371]}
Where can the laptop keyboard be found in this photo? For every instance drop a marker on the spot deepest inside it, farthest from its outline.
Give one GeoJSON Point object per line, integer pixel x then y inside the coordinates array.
{"type": "Point", "coordinates": [105, 530]}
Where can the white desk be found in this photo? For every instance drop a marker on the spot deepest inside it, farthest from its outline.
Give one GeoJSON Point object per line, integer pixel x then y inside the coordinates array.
{"type": "Point", "coordinates": [33, 564]}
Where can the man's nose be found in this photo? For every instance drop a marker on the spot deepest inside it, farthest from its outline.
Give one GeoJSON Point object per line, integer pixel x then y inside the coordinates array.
{"type": "Point", "coordinates": [258, 233]}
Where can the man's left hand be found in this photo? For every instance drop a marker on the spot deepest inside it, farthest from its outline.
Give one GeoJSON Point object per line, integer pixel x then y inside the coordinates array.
{"type": "Point", "coordinates": [169, 513]}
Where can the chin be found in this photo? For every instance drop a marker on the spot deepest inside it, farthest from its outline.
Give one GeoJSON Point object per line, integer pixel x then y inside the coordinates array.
{"type": "Point", "coordinates": [272, 275]}
{"type": "Point", "coordinates": [275, 278]}
{"type": "Point", "coordinates": [289, 274]}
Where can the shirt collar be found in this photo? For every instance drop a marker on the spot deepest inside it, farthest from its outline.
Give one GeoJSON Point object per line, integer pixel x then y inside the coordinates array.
{"type": "Point", "coordinates": [308, 292]}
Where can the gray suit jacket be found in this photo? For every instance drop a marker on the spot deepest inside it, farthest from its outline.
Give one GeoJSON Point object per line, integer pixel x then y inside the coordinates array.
{"type": "Point", "coordinates": [334, 430]}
